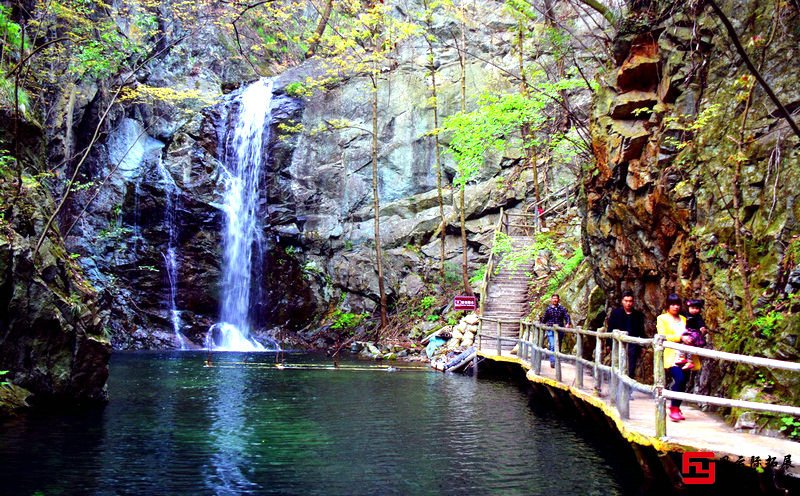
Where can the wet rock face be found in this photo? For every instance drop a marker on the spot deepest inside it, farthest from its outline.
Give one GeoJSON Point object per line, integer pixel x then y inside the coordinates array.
{"type": "Point", "coordinates": [632, 222]}
{"type": "Point", "coordinates": [52, 336]}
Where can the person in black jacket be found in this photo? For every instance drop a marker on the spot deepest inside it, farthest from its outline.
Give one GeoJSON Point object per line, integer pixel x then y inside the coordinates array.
{"type": "Point", "coordinates": [555, 315]}
{"type": "Point", "coordinates": [626, 318]}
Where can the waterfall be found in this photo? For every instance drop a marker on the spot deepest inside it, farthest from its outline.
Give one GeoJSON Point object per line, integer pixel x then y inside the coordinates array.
{"type": "Point", "coordinates": [241, 167]}
{"type": "Point", "coordinates": [171, 255]}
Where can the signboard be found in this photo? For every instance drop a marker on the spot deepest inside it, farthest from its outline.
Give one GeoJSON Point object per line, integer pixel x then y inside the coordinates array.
{"type": "Point", "coordinates": [462, 302]}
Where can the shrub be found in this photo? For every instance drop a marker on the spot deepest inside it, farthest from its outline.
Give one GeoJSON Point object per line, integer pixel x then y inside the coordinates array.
{"type": "Point", "coordinates": [347, 321]}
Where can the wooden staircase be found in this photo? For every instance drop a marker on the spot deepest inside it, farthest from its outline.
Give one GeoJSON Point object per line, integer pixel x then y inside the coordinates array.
{"type": "Point", "coordinates": [504, 296]}
{"type": "Point", "coordinates": [506, 299]}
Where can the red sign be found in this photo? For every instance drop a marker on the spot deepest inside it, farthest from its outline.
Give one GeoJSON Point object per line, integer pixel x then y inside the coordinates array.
{"type": "Point", "coordinates": [462, 302]}
{"type": "Point", "coordinates": [698, 467]}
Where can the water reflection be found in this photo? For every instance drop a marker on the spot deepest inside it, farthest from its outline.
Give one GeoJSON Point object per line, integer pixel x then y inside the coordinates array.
{"type": "Point", "coordinates": [229, 432]}
{"type": "Point", "coordinates": [245, 427]}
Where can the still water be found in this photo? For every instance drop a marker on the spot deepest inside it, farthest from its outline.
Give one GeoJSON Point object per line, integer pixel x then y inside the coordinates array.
{"type": "Point", "coordinates": [243, 426]}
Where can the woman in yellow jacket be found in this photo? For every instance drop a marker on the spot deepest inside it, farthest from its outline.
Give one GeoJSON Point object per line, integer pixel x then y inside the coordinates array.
{"type": "Point", "coordinates": [672, 325]}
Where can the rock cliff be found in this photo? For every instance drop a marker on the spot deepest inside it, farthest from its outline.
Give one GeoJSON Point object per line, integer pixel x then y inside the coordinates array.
{"type": "Point", "coordinates": [52, 336]}
{"type": "Point", "coordinates": [693, 166]}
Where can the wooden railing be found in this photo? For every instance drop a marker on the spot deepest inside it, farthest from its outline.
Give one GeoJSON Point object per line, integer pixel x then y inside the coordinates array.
{"type": "Point", "coordinates": [532, 347]}
{"type": "Point", "coordinates": [487, 275]}
{"type": "Point", "coordinates": [504, 225]}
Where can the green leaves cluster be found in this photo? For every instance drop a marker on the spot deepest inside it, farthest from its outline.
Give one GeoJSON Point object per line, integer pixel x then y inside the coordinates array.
{"type": "Point", "coordinates": [567, 270]}
{"type": "Point", "coordinates": [513, 258]}
{"type": "Point", "coordinates": [768, 323]}
{"type": "Point", "coordinates": [347, 321]}
{"type": "Point", "coordinates": [791, 427]}
{"type": "Point", "coordinates": [472, 135]}
{"type": "Point", "coordinates": [498, 119]}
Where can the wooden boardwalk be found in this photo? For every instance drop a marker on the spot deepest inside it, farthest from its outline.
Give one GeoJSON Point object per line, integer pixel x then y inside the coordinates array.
{"type": "Point", "coordinates": [701, 431]}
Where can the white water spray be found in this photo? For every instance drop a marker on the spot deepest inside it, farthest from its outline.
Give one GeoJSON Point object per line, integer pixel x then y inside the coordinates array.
{"type": "Point", "coordinates": [171, 255]}
{"type": "Point", "coordinates": [242, 165]}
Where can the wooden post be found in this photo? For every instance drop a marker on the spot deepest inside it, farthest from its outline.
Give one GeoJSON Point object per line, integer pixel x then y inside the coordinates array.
{"type": "Point", "coordinates": [659, 379]}
{"type": "Point", "coordinates": [480, 331]}
{"type": "Point", "coordinates": [475, 366]}
{"type": "Point", "coordinates": [624, 393]}
{"type": "Point", "coordinates": [528, 342]}
{"type": "Point", "coordinates": [578, 364]}
{"type": "Point", "coordinates": [537, 354]}
{"type": "Point", "coordinates": [499, 349]}
{"type": "Point", "coordinates": [614, 368]}
{"type": "Point", "coordinates": [556, 347]}
{"type": "Point", "coordinates": [598, 357]}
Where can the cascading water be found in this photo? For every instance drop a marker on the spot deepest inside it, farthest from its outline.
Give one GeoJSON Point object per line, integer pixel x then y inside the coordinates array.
{"type": "Point", "coordinates": [171, 255]}
{"type": "Point", "coordinates": [242, 162]}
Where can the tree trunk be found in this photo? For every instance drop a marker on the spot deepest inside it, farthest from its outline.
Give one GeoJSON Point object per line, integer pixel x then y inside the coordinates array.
{"type": "Point", "coordinates": [465, 258]}
{"type": "Point", "coordinates": [323, 23]}
{"type": "Point", "coordinates": [435, 102]}
{"type": "Point", "coordinates": [462, 60]}
{"type": "Point", "coordinates": [563, 120]}
{"type": "Point", "coordinates": [741, 251]}
{"type": "Point", "coordinates": [376, 202]}
{"type": "Point", "coordinates": [525, 129]}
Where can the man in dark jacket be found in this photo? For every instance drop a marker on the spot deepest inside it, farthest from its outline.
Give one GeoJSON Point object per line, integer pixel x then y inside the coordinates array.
{"type": "Point", "coordinates": [626, 318]}
{"type": "Point", "coordinates": [555, 315]}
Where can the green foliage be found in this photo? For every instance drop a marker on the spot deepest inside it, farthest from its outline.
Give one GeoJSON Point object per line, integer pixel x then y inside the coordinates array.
{"type": "Point", "coordinates": [513, 258]}
{"type": "Point", "coordinates": [347, 321]}
{"type": "Point", "coordinates": [115, 232]}
{"type": "Point", "coordinates": [762, 380]}
{"type": "Point", "coordinates": [791, 427]}
{"type": "Point", "coordinates": [478, 275]}
{"type": "Point", "coordinates": [289, 128]}
{"type": "Point", "coordinates": [2, 373]}
{"type": "Point", "coordinates": [427, 302]}
{"type": "Point", "coordinates": [768, 323]}
{"type": "Point", "coordinates": [423, 308]}
{"type": "Point", "coordinates": [473, 134]}
{"type": "Point", "coordinates": [10, 31]}
{"type": "Point", "coordinates": [7, 163]}
{"type": "Point", "coordinates": [569, 267]}
{"type": "Point", "coordinates": [690, 126]}
{"type": "Point", "coordinates": [78, 186]}
{"type": "Point", "coordinates": [149, 268]}
{"type": "Point", "coordinates": [297, 90]}
{"type": "Point", "coordinates": [452, 273]}
{"type": "Point", "coordinates": [568, 147]}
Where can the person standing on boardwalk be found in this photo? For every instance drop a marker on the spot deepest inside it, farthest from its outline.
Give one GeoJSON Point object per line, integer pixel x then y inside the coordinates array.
{"type": "Point", "coordinates": [628, 319]}
{"type": "Point", "coordinates": [555, 315]}
{"type": "Point", "coordinates": [672, 325]}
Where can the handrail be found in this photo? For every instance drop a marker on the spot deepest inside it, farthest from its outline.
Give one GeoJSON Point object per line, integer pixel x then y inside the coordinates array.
{"type": "Point", "coordinates": [733, 357]}
{"type": "Point", "coordinates": [489, 268]}
{"type": "Point", "coordinates": [534, 349]}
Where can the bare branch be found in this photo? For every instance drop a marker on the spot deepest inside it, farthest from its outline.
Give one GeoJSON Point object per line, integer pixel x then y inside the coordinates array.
{"type": "Point", "coordinates": [752, 68]}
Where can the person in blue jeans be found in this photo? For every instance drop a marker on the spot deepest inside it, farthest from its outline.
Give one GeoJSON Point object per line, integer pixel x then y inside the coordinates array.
{"type": "Point", "coordinates": [555, 315]}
